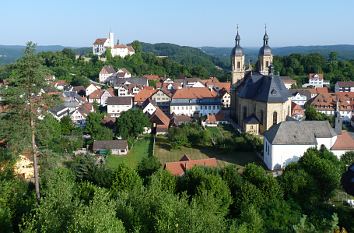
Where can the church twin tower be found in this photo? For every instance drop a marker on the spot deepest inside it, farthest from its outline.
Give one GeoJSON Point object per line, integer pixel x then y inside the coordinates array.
{"type": "Point", "coordinates": [265, 58]}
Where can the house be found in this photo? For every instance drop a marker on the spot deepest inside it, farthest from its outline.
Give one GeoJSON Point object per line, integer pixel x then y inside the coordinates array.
{"type": "Point", "coordinates": [193, 82]}
{"type": "Point", "coordinates": [59, 112]}
{"type": "Point", "coordinates": [288, 82]}
{"type": "Point", "coordinates": [316, 80]}
{"type": "Point", "coordinates": [128, 89]}
{"type": "Point", "coordinates": [225, 97]}
{"type": "Point", "coordinates": [143, 95]}
{"type": "Point", "coordinates": [149, 106]}
{"type": "Point", "coordinates": [101, 44]}
{"type": "Point", "coordinates": [91, 88]}
{"type": "Point", "coordinates": [162, 98]}
{"type": "Point", "coordinates": [331, 102]}
{"type": "Point", "coordinates": [152, 77]}
{"type": "Point", "coordinates": [185, 163]}
{"type": "Point", "coordinates": [80, 90]}
{"type": "Point", "coordinates": [287, 141]}
{"type": "Point", "coordinates": [118, 104]}
{"type": "Point", "coordinates": [105, 73]}
{"type": "Point", "coordinates": [115, 147]}
{"type": "Point", "coordinates": [60, 84]}
{"type": "Point", "coordinates": [214, 120]}
{"type": "Point", "coordinates": [123, 73]}
{"type": "Point", "coordinates": [78, 117]}
{"type": "Point", "coordinates": [178, 120]}
{"type": "Point", "coordinates": [300, 97]}
{"type": "Point", "coordinates": [199, 100]}
{"type": "Point", "coordinates": [297, 111]}
{"type": "Point", "coordinates": [344, 86]}
{"type": "Point", "coordinates": [160, 121]}
{"type": "Point", "coordinates": [118, 82]}
{"type": "Point", "coordinates": [72, 100]}
{"type": "Point", "coordinates": [100, 96]}
{"type": "Point", "coordinates": [122, 50]}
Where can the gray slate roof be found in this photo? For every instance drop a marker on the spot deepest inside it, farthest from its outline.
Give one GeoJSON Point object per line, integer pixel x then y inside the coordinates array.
{"type": "Point", "coordinates": [109, 145]}
{"type": "Point", "coordinates": [262, 88]}
{"type": "Point", "coordinates": [304, 92]}
{"type": "Point", "coordinates": [119, 100]}
{"type": "Point", "coordinates": [299, 132]}
{"type": "Point", "coordinates": [138, 81]}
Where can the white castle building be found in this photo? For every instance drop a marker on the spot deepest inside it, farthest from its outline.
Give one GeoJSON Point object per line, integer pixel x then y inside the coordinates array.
{"type": "Point", "coordinates": [102, 44]}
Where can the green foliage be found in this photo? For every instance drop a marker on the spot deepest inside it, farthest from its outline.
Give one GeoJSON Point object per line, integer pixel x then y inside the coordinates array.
{"type": "Point", "coordinates": [148, 166]}
{"type": "Point", "coordinates": [131, 123]}
{"type": "Point", "coordinates": [96, 129]}
{"type": "Point", "coordinates": [348, 158]}
{"type": "Point", "coordinates": [312, 114]}
{"type": "Point", "coordinates": [125, 179]}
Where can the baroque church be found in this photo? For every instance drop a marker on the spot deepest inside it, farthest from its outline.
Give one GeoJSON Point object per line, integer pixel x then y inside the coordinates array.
{"type": "Point", "coordinates": [259, 98]}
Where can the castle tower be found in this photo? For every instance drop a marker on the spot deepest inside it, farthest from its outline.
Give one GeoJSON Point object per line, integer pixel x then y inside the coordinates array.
{"type": "Point", "coordinates": [237, 61]}
{"type": "Point", "coordinates": [265, 57]}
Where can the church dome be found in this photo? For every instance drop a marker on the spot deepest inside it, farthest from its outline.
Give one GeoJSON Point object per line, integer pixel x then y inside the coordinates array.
{"type": "Point", "coordinates": [237, 51]}
{"type": "Point", "coordinates": [265, 50]}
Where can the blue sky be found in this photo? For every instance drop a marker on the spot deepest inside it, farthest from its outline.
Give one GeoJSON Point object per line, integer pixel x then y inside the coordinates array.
{"type": "Point", "coordinates": [183, 22]}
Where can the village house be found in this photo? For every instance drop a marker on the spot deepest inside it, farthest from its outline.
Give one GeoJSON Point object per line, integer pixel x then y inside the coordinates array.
{"type": "Point", "coordinates": [100, 96]}
{"type": "Point", "coordinates": [215, 120]}
{"type": "Point", "coordinates": [195, 101]}
{"type": "Point", "coordinates": [331, 102]}
{"type": "Point", "coordinates": [344, 86]}
{"type": "Point", "coordinates": [178, 120]}
{"type": "Point", "coordinates": [118, 104]}
{"type": "Point", "coordinates": [91, 88]}
{"type": "Point", "coordinates": [72, 100]}
{"type": "Point", "coordinates": [160, 122]}
{"type": "Point", "coordinates": [118, 82]}
{"type": "Point", "coordinates": [149, 106]}
{"type": "Point", "coordinates": [287, 141]}
{"type": "Point", "coordinates": [78, 117]}
{"type": "Point", "coordinates": [128, 89]}
{"type": "Point", "coordinates": [225, 97]}
{"type": "Point", "coordinates": [316, 80]}
{"type": "Point", "coordinates": [301, 96]}
{"type": "Point", "coordinates": [105, 73]}
{"type": "Point", "coordinates": [162, 98]}
{"type": "Point", "coordinates": [143, 95]}
{"type": "Point", "coordinates": [288, 82]}
{"type": "Point", "coordinates": [123, 73]}
{"type": "Point", "coordinates": [297, 111]}
{"type": "Point", "coordinates": [59, 112]}
{"type": "Point", "coordinates": [185, 163]}
{"type": "Point", "coordinates": [115, 147]}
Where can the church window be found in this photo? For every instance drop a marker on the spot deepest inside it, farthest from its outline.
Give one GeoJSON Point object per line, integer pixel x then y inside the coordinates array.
{"type": "Point", "coordinates": [238, 65]}
{"type": "Point", "coordinates": [267, 63]}
{"type": "Point", "coordinates": [275, 118]}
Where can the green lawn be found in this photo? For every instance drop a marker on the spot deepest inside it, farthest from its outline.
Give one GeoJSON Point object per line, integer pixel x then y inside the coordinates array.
{"type": "Point", "coordinates": [142, 148]}
{"type": "Point", "coordinates": [165, 154]}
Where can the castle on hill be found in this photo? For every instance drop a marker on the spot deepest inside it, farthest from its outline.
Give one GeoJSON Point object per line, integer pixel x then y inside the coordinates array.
{"type": "Point", "coordinates": [102, 44]}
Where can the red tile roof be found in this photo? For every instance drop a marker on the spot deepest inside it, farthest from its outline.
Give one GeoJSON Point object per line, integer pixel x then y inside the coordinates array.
{"type": "Point", "coordinates": [160, 118]}
{"type": "Point", "coordinates": [194, 93]}
{"type": "Point", "coordinates": [96, 94]}
{"type": "Point", "coordinates": [179, 168]}
{"type": "Point", "coordinates": [344, 142]}
{"type": "Point", "coordinates": [142, 95]}
{"type": "Point", "coordinates": [100, 41]}
{"type": "Point", "coordinates": [322, 90]}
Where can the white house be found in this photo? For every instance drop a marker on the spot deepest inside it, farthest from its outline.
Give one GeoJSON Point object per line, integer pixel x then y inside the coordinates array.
{"type": "Point", "coordinates": [149, 106]}
{"type": "Point", "coordinates": [105, 73]}
{"type": "Point", "coordinates": [225, 98]}
{"type": "Point", "coordinates": [344, 87]}
{"type": "Point", "coordinates": [199, 100]}
{"type": "Point", "coordinates": [100, 96]}
{"type": "Point", "coordinates": [118, 104]}
{"type": "Point", "coordinates": [298, 98]}
{"type": "Point", "coordinates": [101, 44]}
{"type": "Point", "coordinates": [316, 80]}
{"type": "Point", "coordinates": [78, 117]}
{"type": "Point", "coordinates": [115, 147]}
{"type": "Point", "coordinates": [287, 141]}
{"type": "Point", "coordinates": [91, 88]}
{"type": "Point", "coordinates": [123, 73]}
{"type": "Point", "coordinates": [59, 112]}
{"type": "Point", "coordinates": [122, 50]}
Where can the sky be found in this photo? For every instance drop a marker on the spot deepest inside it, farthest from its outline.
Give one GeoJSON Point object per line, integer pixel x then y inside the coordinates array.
{"type": "Point", "coordinates": [185, 22]}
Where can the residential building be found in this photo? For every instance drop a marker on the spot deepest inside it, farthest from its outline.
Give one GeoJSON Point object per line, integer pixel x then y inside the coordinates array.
{"type": "Point", "coordinates": [115, 147]}
{"type": "Point", "coordinates": [162, 98]}
{"type": "Point", "coordinates": [160, 122]}
{"type": "Point", "coordinates": [195, 101]}
{"type": "Point", "coordinates": [105, 73]}
{"type": "Point", "coordinates": [59, 112]}
{"type": "Point", "coordinates": [91, 88]}
{"type": "Point", "coordinates": [300, 98]}
{"type": "Point", "coordinates": [287, 141]}
{"type": "Point", "coordinates": [118, 104]}
{"type": "Point", "coordinates": [79, 116]}
{"type": "Point", "coordinates": [149, 106]}
{"type": "Point", "coordinates": [297, 111]}
{"type": "Point", "coordinates": [316, 80]}
{"type": "Point", "coordinates": [178, 120]}
{"type": "Point", "coordinates": [123, 73]}
{"type": "Point", "coordinates": [100, 96]}
{"type": "Point", "coordinates": [213, 120]}
{"type": "Point", "coordinates": [344, 86]}
{"type": "Point", "coordinates": [257, 95]}
{"type": "Point", "coordinates": [185, 163]}
{"type": "Point", "coordinates": [331, 102]}
{"type": "Point", "coordinates": [288, 82]}
{"type": "Point", "coordinates": [225, 97]}
{"type": "Point", "coordinates": [122, 50]}
{"type": "Point", "coordinates": [143, 95]}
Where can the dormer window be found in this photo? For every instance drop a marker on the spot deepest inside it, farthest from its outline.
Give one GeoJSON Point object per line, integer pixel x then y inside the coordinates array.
{"type": "Point", "coordinates": [273, 92]}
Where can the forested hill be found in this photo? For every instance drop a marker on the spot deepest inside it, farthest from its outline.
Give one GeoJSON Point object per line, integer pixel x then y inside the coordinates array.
{"type": "Point", "coordinates": [345, 52]}
{"type": "Point", "coordinates": [184, 55]}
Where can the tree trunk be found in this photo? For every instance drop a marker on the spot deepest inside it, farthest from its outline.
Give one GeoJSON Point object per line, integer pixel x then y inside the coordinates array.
{"type": "Point", "coordinates": [34, 153]}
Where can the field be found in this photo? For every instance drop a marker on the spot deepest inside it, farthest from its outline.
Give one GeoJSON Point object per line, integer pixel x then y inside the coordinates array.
{"type": "Point", "coordinates": [142, 148]}
{"type": "Point", "coordinates": [165, 153]}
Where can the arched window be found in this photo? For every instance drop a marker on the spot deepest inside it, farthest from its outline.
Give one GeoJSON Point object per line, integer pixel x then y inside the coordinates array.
{"type": "Point", "coordinates": [238, 65]}
{"type": "Point", "coordinates": [275, 118]}
{"type": "Point", "coordinates": [267, 63]}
